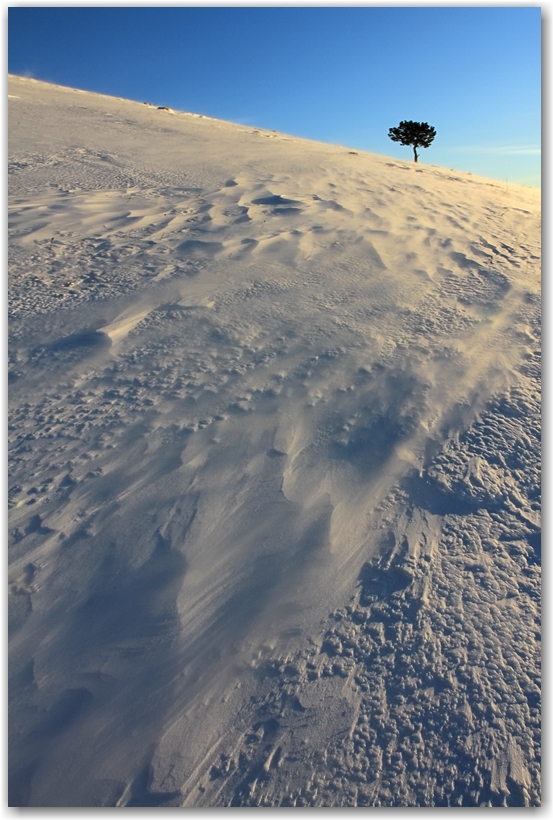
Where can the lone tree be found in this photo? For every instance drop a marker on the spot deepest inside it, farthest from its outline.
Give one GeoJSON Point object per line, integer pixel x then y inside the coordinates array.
{"type": "Point", "coordinates": [413, 133]}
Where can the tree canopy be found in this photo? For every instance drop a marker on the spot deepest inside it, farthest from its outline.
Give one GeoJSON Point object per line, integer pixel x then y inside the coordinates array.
{"type": "Point", "coordinates": [417, 134]}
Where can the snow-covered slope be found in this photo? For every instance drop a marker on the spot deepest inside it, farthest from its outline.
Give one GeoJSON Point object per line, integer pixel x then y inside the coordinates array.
{"type": "Point", "coordinates": [274, 454]}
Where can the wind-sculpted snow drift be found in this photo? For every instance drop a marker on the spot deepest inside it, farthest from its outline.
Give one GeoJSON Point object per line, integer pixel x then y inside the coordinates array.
{"type": "Point", "coordinates": [274, 453]}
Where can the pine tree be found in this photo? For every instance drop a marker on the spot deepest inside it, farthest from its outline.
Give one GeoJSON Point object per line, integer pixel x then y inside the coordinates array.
{"type": "Point", "coordinates": [413, 133]}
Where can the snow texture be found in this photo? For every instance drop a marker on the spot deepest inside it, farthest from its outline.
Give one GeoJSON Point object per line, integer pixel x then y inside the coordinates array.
{"type": "Point", "coordinates": [274, 441]}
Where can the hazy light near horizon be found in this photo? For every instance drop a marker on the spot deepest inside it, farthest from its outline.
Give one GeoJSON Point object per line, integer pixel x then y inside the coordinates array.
{"type": "Point", "coordinates": [503, 149]}
{"type": "Point", "coordinates": [332, 74]}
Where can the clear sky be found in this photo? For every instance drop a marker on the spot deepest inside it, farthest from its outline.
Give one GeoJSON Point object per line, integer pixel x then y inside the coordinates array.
{"type": "Point", "coordinates": [340, 75]}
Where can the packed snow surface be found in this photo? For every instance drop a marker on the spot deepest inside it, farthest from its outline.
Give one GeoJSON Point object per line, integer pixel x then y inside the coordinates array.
{"type": "Point", "coordinates": [274, 468]}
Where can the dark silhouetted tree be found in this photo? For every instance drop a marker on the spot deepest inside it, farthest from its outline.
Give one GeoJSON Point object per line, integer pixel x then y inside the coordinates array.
{"type": "Point", "coordinates": [417, 134]}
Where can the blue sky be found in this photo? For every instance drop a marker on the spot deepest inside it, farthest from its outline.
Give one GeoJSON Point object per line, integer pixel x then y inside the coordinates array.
{"type": "Point", "coordinates": [340, 75]}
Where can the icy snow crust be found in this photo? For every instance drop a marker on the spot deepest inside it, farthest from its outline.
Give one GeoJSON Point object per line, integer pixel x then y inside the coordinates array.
{"type": "Point", "coordinates": [274, 453]}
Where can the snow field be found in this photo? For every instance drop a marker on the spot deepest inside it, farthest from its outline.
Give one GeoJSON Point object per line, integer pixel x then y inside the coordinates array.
{"type": "Point", "coordinates": [274, 468]}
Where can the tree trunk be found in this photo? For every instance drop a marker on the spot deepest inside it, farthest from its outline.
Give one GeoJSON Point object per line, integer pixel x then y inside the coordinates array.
{"type": "Point", "coordinates": [416, 155]}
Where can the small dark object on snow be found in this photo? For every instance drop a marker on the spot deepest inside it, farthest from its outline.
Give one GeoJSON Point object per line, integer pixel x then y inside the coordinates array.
{"type": "Point", "coordinates": [413, 133]}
